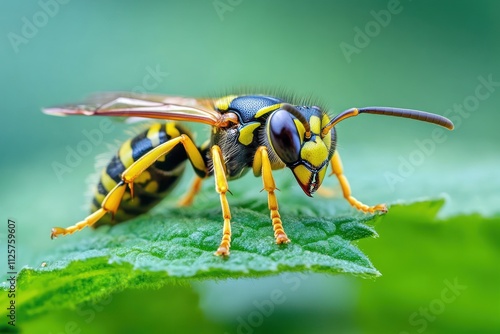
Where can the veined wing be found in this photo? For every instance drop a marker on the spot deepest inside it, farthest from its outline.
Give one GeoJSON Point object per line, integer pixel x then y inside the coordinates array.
{"type": "Point", "coordinates": [174, 108]}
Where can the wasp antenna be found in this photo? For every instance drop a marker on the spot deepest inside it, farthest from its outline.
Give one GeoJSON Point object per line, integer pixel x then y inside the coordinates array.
{"type": "Point", "coordinates": [397, 112]}
{"type": "Point", "coordinates": [410, 113]}
{"type": "Point", "coordinates": [292, 110]}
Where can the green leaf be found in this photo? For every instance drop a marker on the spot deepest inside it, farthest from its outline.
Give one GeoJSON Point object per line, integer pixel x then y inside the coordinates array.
{"type": "Point", "coordinates": [170, 309]}
{"type": "Point", "coordinates": [423, 257]}
{"type": "Point", "coordinates": [177, 245]}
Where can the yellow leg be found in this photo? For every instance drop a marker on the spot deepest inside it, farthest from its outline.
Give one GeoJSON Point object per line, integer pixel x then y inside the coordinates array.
{"type": "Point", "coordinates": [222, 188]}
{"type": "Point", "coordinates": [136, 169]}
{"type": "Point", "coordinates": [346, 189]}
{"type": "Point", "coordinates": [187, 200]}
{"type": "Point", "coordinates": [109, 204]}
{"type": "Point", "coordinates": [262, 165]}
{"type": "Point", "coordinates": [112, 201]}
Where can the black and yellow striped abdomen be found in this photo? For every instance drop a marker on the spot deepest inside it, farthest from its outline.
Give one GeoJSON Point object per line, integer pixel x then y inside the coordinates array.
{"type": "Point", "coordinates": [154, 183]}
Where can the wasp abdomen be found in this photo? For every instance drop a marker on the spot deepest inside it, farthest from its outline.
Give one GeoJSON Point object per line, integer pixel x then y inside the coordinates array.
{"type": "Point", "coordinates": [154, 183]}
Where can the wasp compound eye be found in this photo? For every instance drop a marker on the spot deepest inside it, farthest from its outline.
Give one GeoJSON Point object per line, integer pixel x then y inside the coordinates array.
{"type": "Point", "coordinates": [283, 136]}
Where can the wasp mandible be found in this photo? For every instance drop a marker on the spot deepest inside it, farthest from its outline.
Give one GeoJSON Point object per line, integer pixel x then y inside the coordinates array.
{"type": "Point", "coordinates": [257, 132]}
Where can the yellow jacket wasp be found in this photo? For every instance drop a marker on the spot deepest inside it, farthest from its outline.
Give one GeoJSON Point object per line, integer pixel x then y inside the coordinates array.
{"type": "Point", "coordinates": [257, 132]}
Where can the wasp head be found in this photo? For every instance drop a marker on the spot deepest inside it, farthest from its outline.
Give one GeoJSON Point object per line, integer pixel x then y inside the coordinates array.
{"type": "Point", "coordinates": [304, 138]}
{"type": "Point", "coordinates": [295, 135]}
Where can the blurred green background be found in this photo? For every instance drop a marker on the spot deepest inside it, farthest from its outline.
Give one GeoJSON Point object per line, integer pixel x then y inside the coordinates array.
{"type": "Point", "coordinates": [414, 54]}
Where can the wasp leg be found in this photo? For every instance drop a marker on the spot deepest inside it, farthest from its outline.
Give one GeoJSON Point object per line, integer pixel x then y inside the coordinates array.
{"type": "Point", "coordinates": [346, 189]}
{"type": "Point", "coordinates": [222, 188]}
{"type": "Point", "coordinates": [136, 169]}
{"type": "Point", "coordinates": [187, 200]}
{"type": "Point", "coordinates": [109, 204]}
{"type": "Point", "coordinates": [113, 199]}
{"type": "Point", "coordinates": [262, 165]}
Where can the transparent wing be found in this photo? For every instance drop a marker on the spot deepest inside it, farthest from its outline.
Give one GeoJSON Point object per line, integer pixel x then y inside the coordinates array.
{"type": "Point", "coordinates": [166, 107]}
